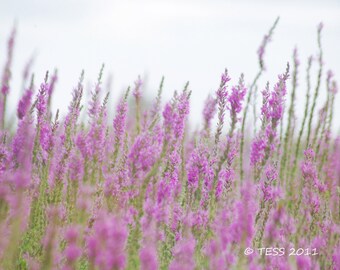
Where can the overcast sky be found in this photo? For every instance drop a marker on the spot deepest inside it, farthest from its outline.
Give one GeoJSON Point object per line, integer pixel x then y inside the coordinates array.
{"type": "Point", "coordinates": [183, 40]}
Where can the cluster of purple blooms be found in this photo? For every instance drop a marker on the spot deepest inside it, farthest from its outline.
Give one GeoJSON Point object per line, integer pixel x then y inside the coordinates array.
{"type": "Point", "coordinates": [145, 192]}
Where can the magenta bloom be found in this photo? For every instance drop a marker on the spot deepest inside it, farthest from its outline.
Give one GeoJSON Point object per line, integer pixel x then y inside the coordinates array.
{"type": "Point", "coordinates": [236, 97]}
{"type": "Point", "coordinates": [137, 90]}
{"type": "Point", "coordinates": [183, 255]}
{"type": "Point", "coordinates": [107, 245]}
{"type": "Point", "coordinates": [258, 150]}
{"type": "Point", "coordinates": [209, 110]}
{"type": "Point", "coordinates": [119, 121]}
{"type": "Point", "coordinates": [24, 104]}
{"type": "Point", "coordinates": [304, 262]}
{"type": "Point", "coordinates": [148, 258]}
{"type": "Point", "coordinates": [72, 253]}
{"type": "Point", "coordinates": [6, 75]}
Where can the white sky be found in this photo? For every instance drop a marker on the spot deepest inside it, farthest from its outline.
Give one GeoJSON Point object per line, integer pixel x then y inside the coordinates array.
{"type": "Point", "coordinates": [183, 40]}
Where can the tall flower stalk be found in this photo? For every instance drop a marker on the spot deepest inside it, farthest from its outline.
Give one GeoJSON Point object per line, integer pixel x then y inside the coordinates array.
{"type": "Point", "coordinates": [6, 77]}
{"type": "Point", "coordinates": [317, 87]}
{"type": "Point", "coordinates": [260, 52]}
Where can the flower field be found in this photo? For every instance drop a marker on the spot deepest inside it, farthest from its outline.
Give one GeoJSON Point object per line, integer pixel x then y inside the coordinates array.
{"type": "Point", "coordinates": [146, 192]}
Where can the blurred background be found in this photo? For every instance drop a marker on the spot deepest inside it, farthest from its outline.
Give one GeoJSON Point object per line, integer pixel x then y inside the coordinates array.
{"type": "Point", "coordinates": [182, 40]}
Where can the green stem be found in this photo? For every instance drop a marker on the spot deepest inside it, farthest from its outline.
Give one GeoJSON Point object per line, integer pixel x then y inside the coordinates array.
{"type": "Point", "coordinates": [316, 92]}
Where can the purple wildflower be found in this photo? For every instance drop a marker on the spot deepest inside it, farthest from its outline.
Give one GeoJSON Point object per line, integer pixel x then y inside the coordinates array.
{"type": "Point", "coordinates": [119, 122]}
{"type": "Point", "coordinates": [138, 85]}
{"type": "Point", "coordinates": [148, 258]}
{"type": "Point", "coordinates": [183, 254]}
{"type": "Point", "coordinates": [24, 104]}
{"type": "Point", "coordinates": [6, 75]}
{"type": "Point", "coordinates": [209, 111]}
{"type": "Point", "coordinates": [236, 97]}
{"type": "Point", "coordinates": [107, 245]}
